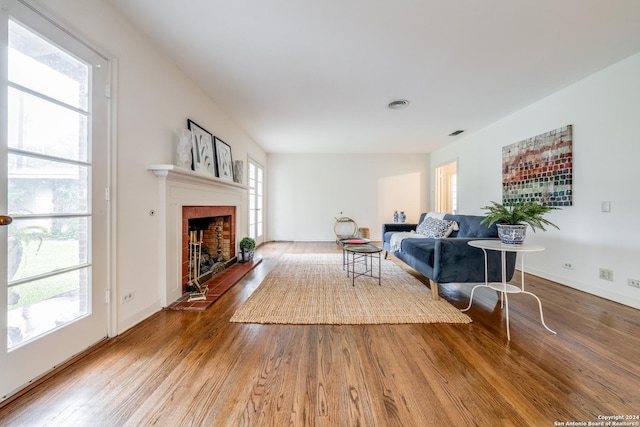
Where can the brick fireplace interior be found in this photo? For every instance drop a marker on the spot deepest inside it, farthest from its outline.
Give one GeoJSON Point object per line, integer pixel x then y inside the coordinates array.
{"type": "Point", "coordinates": [216, 224]}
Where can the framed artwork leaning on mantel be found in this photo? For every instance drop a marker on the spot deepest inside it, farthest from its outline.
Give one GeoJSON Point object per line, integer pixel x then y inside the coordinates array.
{"type": "Point", "coordinates": [203, 155]}
{"type": "Point", "coordinates": [224, 161]}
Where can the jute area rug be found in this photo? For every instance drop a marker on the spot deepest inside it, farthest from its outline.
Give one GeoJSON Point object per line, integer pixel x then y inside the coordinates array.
{"type": "Point", "coordinates": [313, 289]}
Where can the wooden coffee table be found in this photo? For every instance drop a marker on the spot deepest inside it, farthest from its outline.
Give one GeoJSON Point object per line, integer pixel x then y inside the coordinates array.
{"type": "Point", "coordinates": [361, 255]}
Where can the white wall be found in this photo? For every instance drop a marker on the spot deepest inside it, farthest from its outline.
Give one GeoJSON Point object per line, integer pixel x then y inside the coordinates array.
{"type": "Point", "coordinates": [604, 110]}
{"type": "Point", "coordinates": [306, 192]}
{"type": "Point", "coordinates": [153, 97]}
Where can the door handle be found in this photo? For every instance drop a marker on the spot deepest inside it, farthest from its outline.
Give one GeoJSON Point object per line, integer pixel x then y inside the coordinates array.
{"type": "Point", "coordinates": [5, 220]}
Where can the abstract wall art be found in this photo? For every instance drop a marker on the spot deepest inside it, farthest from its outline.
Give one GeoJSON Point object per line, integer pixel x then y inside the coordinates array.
{"type": "Point", "coordinates": [202, 141]}
{"type": "Point", "coordinates": [539, 169]}
{"type": "Point", "coordinates": [224, 160]}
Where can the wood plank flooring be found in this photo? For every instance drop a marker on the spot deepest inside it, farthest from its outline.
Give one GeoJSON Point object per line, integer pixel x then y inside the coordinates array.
{"type": "Point", "coordinates": [182, 368]}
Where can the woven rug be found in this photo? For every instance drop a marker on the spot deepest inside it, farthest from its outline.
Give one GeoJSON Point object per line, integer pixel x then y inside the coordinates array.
{"type": "Point", "coordinates": [313, 289]}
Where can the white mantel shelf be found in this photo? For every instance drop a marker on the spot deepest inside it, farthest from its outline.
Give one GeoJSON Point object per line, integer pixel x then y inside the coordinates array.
{"type": "Point", "coordinates": [187, 175]}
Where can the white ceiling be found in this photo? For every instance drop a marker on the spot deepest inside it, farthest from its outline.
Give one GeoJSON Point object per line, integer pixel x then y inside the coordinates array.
{"type": "Point", "coordinates": [315, 76]}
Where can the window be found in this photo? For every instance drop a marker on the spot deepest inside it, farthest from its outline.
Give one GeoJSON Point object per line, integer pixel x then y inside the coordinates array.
{"type": "Point", "coordinates": [256, 201]}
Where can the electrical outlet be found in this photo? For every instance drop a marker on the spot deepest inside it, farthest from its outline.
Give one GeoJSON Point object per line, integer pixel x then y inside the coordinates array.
{"type": "Point", "coordinates": [568, 266]}
{"type": "Point", "coordinates": [633, 282]}
{"type": "Point", "coordinates": [127, 297]}
{"type": "Point", "coordinates": [606, 274]}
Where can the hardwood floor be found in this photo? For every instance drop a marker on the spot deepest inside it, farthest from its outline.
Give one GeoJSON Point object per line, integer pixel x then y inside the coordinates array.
{"type": "Point", "coordinates": [195, 368]}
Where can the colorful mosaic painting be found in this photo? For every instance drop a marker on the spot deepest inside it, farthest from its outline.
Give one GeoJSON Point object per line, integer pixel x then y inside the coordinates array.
{"type": "Point", "coordinates": [539, 169]}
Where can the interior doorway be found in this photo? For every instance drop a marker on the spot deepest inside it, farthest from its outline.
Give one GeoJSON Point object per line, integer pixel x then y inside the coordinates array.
{"type": "Point", "coordinates": [446, 188]}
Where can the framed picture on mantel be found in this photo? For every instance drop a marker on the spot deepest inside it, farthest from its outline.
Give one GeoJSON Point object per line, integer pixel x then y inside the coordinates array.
{"type": "Point", "coordinates": [223, 160]}
{"type": "Point", "coordinates": [203, 156]}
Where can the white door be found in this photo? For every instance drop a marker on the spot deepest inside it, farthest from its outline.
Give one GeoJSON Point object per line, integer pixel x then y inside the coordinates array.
{"type": "Point", "coordinates": [256, 201]}
{"type": "Point", "coordinates": [446, 188]}
{"type": "Point", "coordinates": [53, 170]}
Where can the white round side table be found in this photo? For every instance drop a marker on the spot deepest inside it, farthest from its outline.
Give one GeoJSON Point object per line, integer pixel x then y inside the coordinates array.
{"type": "Point", "coordinates": [503, 287]}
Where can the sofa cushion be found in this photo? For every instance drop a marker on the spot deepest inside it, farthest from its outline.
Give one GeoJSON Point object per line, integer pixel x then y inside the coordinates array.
{"type": "Point", "coordinates": [421, 249]}
{"type": "Point", "coordinates": [435, 228]}
{"type": "Point", "coordinates": [470, 227]}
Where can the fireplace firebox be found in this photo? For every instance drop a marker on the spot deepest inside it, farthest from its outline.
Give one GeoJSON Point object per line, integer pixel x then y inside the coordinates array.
{"type": "Point", "coordinates": [216, 225]}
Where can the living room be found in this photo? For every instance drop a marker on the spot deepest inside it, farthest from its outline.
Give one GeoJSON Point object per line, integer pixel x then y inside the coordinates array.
{"type": "Point", "coordinates": [303, 189]}
{"type": "Point", "coordinates": [152, 96]}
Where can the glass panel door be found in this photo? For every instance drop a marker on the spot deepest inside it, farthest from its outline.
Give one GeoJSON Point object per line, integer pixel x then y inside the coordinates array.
{"type": "Point", "coordinates": [55, 126]}
{"type": "Point", "coordinates": [256, 200]}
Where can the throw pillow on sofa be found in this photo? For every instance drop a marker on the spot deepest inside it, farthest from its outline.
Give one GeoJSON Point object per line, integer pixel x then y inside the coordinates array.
{"type": "Point", "coordinates": [436, 228]}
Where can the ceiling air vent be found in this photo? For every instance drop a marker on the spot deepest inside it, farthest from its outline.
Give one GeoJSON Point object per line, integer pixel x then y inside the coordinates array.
{"type": "Point", "coordinates": [398, 104]}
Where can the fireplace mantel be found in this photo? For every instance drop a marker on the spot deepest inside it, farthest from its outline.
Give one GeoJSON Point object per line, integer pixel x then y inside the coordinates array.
{"type": "Point", "coordinates": [178, 187]}
{"type": "Point", "coordinates": [177, 173]}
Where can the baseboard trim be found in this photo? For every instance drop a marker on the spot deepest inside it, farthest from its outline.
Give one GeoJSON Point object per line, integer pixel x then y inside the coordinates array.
{"type": "Point", "coordinates": [51, 373]}
{"type": "Point", "coordinates": [588, 289]}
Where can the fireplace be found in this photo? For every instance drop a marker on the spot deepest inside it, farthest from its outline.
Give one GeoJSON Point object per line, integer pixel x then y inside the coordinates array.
{"type": "Point", "coordinates": [205, 196]}
{"type": "Point", "coordinates": [215, 225]}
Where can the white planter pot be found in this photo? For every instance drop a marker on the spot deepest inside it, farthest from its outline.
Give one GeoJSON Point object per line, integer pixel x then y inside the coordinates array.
{"type": "Point", "coordinates": [246, 255]}
{"type": "Point", "coordinates": [512, 234]}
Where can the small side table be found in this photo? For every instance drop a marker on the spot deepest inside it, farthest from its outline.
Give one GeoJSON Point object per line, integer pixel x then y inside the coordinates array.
{"type": "Point", "coordinates": [361, 254]}
{"type": "Point", "coordinates": [503, 287]}
{"type": "Point", "coordinates": [351, 241]}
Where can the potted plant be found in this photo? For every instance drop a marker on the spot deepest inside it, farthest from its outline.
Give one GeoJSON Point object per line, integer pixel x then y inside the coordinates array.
{"type": "Point", "coordinates": [247, 247]}
{"type": "Point", "coordinates": [512, 219]}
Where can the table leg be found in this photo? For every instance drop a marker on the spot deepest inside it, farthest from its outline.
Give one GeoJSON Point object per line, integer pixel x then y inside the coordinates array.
{"type": "Point", "coordinates": [541, 315]}
{"type": "Point", "coordinates": [522, 272]}
{"type": "Point", "coordinates": [503, 271]}
{"type": "Point", "coordinates": [486, 280]}
{"type": "Point", "coordinates": [353, 269]}
{"type": "Point", "coordinates": [347, 263]}
{"type": "Point", "coordinates": [533, 295]}
{"type": "Point", "coordinates": [366, 267]}
{"type": "Point", "coordinates": [506, 303]}
{"type": "Point", "coordinates": [343, 261]}
{"type": "Point", "coordinates": [504, 299]}
{"type": "Point", "coordinates": [471, 297]}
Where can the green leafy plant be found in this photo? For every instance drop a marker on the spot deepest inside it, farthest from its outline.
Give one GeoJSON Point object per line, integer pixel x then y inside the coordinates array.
{"type": "Point", "coordinates": [247, 243]}
{"type": "Point", "coordinates": [517, 213]}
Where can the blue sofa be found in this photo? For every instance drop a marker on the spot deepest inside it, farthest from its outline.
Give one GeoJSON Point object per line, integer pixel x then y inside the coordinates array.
{"type": "Point", "coordinates": [450, 259]}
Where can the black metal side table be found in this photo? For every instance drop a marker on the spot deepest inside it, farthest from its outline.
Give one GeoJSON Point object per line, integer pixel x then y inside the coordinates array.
{"type": "Point", "coordinates": [361, 255]}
